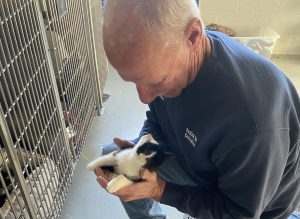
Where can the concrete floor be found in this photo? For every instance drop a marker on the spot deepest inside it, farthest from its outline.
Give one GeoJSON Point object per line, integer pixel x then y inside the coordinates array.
{"type": "Point", "coordinates": [123, 117]}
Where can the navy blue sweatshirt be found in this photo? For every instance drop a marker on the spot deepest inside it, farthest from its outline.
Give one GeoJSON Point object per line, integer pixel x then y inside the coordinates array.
{"type": "Point", "coordinates": [235, 129]}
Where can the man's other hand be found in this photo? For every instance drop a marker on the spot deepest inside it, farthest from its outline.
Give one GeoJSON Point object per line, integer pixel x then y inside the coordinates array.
{"type": "Point", "coordinates": [123, 143]}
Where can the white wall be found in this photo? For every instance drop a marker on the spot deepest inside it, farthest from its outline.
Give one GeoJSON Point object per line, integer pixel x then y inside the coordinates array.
{"type": "Point", "coordinates": [282, 15]}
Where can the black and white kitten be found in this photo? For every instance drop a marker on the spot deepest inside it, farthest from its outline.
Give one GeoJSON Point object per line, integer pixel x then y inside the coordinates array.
{"type": "Point", "coordinates": [124, 165]}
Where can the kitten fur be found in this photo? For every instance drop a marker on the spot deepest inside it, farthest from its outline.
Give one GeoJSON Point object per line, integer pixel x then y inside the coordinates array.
{"type": "Point", "coordinates": [123, 166]}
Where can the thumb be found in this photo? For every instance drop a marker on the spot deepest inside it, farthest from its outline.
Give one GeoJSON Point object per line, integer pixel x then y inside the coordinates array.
{"type": "Point", "coordinates": [123, 143]}
{"type": "Point", "coordinates": [147, 174]}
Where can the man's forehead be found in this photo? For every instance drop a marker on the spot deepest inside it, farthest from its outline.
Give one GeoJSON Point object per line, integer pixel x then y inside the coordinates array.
{"type": "Point", "coordinates": [133, 75]}
{"type": "Point", "coordinates": [146, 75]}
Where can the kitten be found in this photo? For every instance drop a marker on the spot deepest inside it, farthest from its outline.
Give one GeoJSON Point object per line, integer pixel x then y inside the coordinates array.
{"type": "Point", "coordinates": [123, 166]}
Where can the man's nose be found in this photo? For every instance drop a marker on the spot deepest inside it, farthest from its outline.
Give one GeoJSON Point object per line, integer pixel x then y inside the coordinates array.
{"type": "Point", "coordinates": [146, 94]}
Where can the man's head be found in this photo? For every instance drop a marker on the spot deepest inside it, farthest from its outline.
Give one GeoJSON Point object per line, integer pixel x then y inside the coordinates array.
{"type": "Point", "coordinates": [155, 44]}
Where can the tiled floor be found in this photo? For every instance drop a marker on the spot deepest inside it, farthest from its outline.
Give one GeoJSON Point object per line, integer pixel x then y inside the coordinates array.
{"type": "Point", "coordinates": [123, 117]}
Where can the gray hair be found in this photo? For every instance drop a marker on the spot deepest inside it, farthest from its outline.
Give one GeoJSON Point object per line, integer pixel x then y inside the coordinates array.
{"type": "Point", "coordinates": [163, 18]}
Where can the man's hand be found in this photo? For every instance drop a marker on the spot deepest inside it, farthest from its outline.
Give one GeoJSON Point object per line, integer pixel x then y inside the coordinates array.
{"type": "Point", "coordinates": [151, 187]}
{"type": "Point", "coordinates": [123, 143]}
{"type": "Point", "coordinates": [102, 178]}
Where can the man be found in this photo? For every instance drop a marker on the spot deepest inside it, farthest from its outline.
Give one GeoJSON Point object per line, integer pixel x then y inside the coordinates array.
{"type": "Point", "coordinates": [230, 117]}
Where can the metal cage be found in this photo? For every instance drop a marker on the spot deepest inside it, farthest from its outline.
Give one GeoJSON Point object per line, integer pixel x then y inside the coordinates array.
{"type": "Point", "coordinates": [48, 98]}
{"type": "Point", "coordinates": [67, 37]}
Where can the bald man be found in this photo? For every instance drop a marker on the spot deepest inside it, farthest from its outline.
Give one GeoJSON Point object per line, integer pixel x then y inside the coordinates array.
{"type": "Point", "coordinates": [230, 117]}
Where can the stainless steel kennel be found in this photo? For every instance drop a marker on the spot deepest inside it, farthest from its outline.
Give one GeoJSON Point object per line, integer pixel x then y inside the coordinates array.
{"type": "Point", "coordinates": [49, 93]}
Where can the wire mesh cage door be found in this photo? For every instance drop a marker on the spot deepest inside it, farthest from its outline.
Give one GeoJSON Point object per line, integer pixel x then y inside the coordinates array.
{"type": "Point", "coordinates": [35, 158]}
{"type": "Point", "coordinates": [94, 20]}
{"type": "Point", "coordinates": [68, 42]}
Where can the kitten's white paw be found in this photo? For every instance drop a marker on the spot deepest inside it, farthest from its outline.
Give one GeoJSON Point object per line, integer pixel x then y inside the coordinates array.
{"type": "Point", "coordinates": [91, 166]}
{"type": "Point", "coordinates": [118, 183]}
{"type": "Point", "coordinates": [112, 188]}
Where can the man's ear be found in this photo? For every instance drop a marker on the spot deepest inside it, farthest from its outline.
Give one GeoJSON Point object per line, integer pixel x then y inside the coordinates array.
{"type": "Point", "coordinates": [194, 33]}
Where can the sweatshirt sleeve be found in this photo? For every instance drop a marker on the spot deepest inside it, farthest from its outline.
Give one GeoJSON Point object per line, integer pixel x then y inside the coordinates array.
{"type": "Point", "coordinates": [250, 172]}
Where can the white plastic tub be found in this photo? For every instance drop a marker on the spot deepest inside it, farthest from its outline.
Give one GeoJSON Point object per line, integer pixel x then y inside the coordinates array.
{"type": "Point", "coordinates": [261, 40]}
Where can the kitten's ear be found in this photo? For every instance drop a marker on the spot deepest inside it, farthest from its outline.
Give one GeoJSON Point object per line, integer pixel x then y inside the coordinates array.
{"type": "Point", "coordinates": [148, 157]}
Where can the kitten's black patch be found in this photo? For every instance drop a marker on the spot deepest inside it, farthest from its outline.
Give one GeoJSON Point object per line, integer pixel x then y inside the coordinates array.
{"type": "Point", "coordinates": [110, 169]}
{"type": "Point", "coordinates": [158, 159]}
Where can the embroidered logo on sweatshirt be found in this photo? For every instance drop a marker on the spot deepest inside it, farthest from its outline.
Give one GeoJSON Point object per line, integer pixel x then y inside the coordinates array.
{"type": "Point", "coordinates": [191, 137]}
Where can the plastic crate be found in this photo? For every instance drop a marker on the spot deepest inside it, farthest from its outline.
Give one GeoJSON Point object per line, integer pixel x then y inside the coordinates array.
{"type": "Point", "coordinates": [262, 40]}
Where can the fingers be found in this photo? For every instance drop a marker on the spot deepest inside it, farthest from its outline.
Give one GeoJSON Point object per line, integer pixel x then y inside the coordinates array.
{"type": "Point", "coordinates": [139, 190]}
{"type": "Point", "coordinates": [103, 182]}
{"type": "Point", "coordinates": [102, 179]}
{"type": "Point", "coordinates": [123, 143]}
{"type": "Point", "coordinates": [129, 193]}
{"type": "Point", "coordinates": [100, 173]}
{"type": "Point", "coordinates": [147, 174]}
